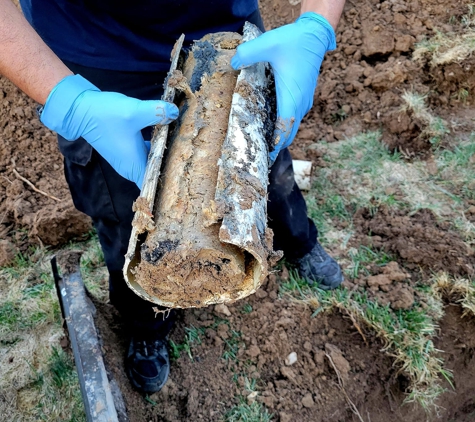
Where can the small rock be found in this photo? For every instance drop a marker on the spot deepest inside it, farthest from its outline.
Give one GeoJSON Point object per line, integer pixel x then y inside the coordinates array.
{"type": "Point", "coordinates": [404, 43]}
{"type": "Point", "coordinates": [307, 346]}
{"type": "Point", "coordinates": [307, 401]}
{"type": "Point", "coordinates": [378, 280]}
{"type": "Point", "coordinates": [251, 398]}
{"type": "Point", "coordinates": [284, 417]}
{"type": "Point", "coordinates": [404, 298]}
{"type": "Point", "coordinates": [319, 357]}
{"type": "Point", "coordinates": [253, 351]}
{"type": "Point", "coordinates": [261, 294]}
{"type": "Point", "coordinates": [222, 309]}
{"type": "Point", "coordinates": [287, 373]}
{"type": "Point", "coordinates": [291, 359]}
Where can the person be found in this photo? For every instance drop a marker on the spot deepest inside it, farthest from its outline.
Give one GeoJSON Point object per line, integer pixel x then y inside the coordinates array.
{"type": "Point", "coordinates": [98, 66]}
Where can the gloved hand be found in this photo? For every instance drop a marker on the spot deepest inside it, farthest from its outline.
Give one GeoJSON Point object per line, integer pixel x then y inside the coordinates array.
{"type": "Point", "coordinates": [109, 121]}
{"type": "Point", "coordinates": [295, 53]}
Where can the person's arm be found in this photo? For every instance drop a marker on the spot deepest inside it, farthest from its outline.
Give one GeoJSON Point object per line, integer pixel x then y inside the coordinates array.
{"type": "Point", "coordinates": [295, 52]}
{"type": "Point", "coordinates": [24, 58]}
{"type": "Point", "coordinates": [74, 107]}
{"type": "Point", "coordinates": [330, 9]}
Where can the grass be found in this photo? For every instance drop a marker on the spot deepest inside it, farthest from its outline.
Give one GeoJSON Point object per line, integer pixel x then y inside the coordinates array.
{"type": "Point", "coordinates": [356, 176]}
{"type": "Point", "coordinates": [232, 346]}
{"type": "Point", "coordinates": [192, 338]}
{"type": "Point", "coordinates": [445, 48]}
{"type": "Point", "coordinates": [58, 378]}
{"type": "Point", "coordinates": [457, 170]}
{"type": "Point", "coordinates": [435, 128]}
{"type": "Point", "coordinates": [247, 308]}
{"type": "Point", "coordinates": [244, 412]}
{"type": "Point", "coordinates": [247, 409]}
{"type": "Point", "coordinates": [361, 172]}
{"type": "Point", "coordinates": [458, 290]}
{"type": "Point", "coordinates": [361, 258]}
{"type": "Point", "coordinates": [38, 380]}
{"type": "Point", "coordinates": [406, 334]}
{"type": "Point", "coordinates": [94, 271]}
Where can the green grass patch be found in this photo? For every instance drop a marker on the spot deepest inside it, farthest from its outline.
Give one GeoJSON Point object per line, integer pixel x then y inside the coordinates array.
{"type": "Point", "coordinates": [58, 379]}
{"type": "Point", "coordinates": [362, 257]}
{"type": "Point", "coordinates": [246, 308]}
{"type": "Point", "coordinates": [456, 169]}
{"type": "Point", "coordinates": [232, 346]}
{"type": "Point", "coordinates": [192, 338]}
{"type": "Point", "coordinates": [353, 178]}
{"type": "Point", "coordinates": [361, 172]}
{"type": "Point", "coordinates": [244, 412]}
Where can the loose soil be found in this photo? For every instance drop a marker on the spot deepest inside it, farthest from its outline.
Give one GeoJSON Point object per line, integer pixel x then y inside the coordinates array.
{"type": "Point", "coordinates": [204, 386]}
{"type": "Point", "coordinates": [359, 89]}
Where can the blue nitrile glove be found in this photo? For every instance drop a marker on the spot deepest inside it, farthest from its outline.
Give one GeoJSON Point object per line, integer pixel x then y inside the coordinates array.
{"type": "Point", "coordinates": [295, 53]}
{"type": "Point", "coordinates": [109, 121]}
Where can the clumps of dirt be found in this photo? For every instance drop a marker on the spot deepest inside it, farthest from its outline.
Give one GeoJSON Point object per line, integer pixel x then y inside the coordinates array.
{"type": "Point", "coordinates": [457, 340]}
{"type": "Point", "coordinates": [389, 287]}
{"type": "Point", "coordinates": [56, 224]}
{"type": "Point", "coordinates": [361, 82]}
{"type": "Point", "coordinates": [8, 251]}
{"type": "Point", "coordinates": [455, 83]}
{"type": "Point", "coordinates": [418, 240]}
{"type": "Point", "coordinates": [404, 133]}
{"type": "Point", "coordinates": [27, 147]}
{"type": "Point", "coordinates": [253, 344]}
{"type": "Point", "coordinates": [69, 261]}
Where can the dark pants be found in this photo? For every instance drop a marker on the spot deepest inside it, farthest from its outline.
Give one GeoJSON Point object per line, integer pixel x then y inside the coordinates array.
{"type": "Point", "coordinates": [107, 198]}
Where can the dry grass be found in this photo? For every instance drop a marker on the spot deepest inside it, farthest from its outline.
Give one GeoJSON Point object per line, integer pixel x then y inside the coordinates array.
{"type": "Point", "coordinates": [456, 289]}
{"type": "Point", "coordinates": [435, 128]}
{"type": "Point", "coordinates": [38, 381]}
{"type": "Point", "coordinates": [448, 48]}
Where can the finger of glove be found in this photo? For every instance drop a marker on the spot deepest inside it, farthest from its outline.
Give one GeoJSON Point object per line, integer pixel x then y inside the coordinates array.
{"type": "Point", "coordinates": [253, 51]}
{"type": "Point", "coordinates": [292, 105]}
{"type": "Point", "coordinates": [148, 113]}
{"type": "Point", "coordinates": [284, 134]}
{"type": "Point", "coordinates": [127, 156]}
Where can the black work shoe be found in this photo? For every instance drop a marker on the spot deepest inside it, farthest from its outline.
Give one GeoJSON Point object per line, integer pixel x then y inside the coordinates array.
{"type": "Point", "coordinates": [147, 365]}
{"type": "Point", "coordinates": [319, 267]}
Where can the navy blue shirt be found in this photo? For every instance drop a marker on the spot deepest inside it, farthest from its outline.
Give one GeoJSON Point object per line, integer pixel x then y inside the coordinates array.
{"type": "Point", "coordinates": [130, 35]}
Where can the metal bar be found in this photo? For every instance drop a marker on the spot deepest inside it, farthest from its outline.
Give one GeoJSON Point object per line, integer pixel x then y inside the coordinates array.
{"type": "Point", "coordinates": [78, 312]}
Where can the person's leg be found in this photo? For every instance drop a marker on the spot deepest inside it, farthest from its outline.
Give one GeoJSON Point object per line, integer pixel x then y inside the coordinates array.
{"type": "Point", "coordinates": [294, 233]}
{"type": "Point", "coordinates": [100, 192]}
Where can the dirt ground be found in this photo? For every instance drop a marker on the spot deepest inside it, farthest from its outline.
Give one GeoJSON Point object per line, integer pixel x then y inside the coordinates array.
{"type": "Point", "coordinates": [359, 89]}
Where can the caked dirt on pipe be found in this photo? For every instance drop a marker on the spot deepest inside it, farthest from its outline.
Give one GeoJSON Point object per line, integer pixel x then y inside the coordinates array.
{"type": "Point", "coordinates": [183, 260]}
